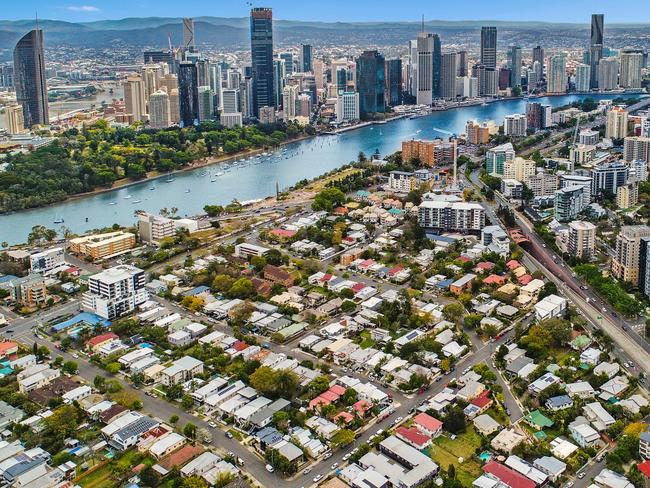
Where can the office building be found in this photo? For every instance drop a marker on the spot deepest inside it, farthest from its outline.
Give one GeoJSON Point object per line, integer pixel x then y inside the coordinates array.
{"type": "Point", "coordinates": [134, 98]}
{"type": "Point", "coordinates": [305, 58]}
{"type": "Point", "coordinates": [347, 107]}
{"type": "Point", "coordinates": [496, 157]}
{"type": "Point", "coordinates": [627, 195]}
{"type": "Point", "coordinates": [287, 57]}
{"type": "Point", "coordinates": [188, 35]}
{"type": "Point", "coordinates": [538, 115]}
{"type": "Point", "coordinates": [596, 46]}
{"type": "Point", "coordinates": [425, 47]}
{"type": "Point", "coordinates": [440, 215]}
{"type": "Point", "coordinates": [581, 239]}
{"type": "Point", "coordinates": [606, 178]}
{"type": "Point", "coordinates": [515, 125]}
{"type": "Point", "coordinates": [188, 94]}
{"type": "Point", "coordinates": [29, 78]}
{"type": "Point", "coordinates": [569, 202]}
{"type": "Point", "coordinates": [393, 80]}
{"type": "Point", "coordinates": [556, 74]}
{"type": "Point", "coordinates": [448, 76]}
{"type": "Point", "coordinates": [631, 65]}
{"type": "Point", "coordinates": [14, 119]}
{"type": "Point", "coordinates": [231, 102]}
{"type": "Point", "coordinates": [538, 56]}
{"type": "Point", "coordinates": [585, 182]}
{"type": "Point", "coordinates": [467, 87]}
{"type": "Point", "coordinates": [462, 64]}
{"type": "Point", "coordinates": [608, 74]}
{"type": "Point", "coordinates": [636, 149]}
{"type": "Point", "coordinates": [616, 127]}
{"type": "Point", "coordinates": [370, 83]}
{"type": "Point", "coordinates": [216, 85]}
{"type": "Point", "coordinates": [504, 78]}
{"type": "Point", "coordinates": [583, 78]}
{"type": "Point", "coordinates": [489, 47]}
{"type": "Point", "coordinates": [6, 76]}
{"type": "Point", "coordinates": [627, 258]}
{"type": "Point", "coordinates": [206, 103]}
{"type": "Point", "coordinates": [159, 110]}
{"type": "Point", "coordinates": [261, 22]}
{"type": "Point", "coordinates": [103, 246]}
{"type": "Point", "coordinates": [158, 56]}
{"type": "Point", "coordinates": [519, 169]}
{"type": "Point", "coordinates": [279, 77]}
{"type": "Point", "coordinates": [154, 228]}
{"type": "Point", "coordinates": [514, 63]}
{"type": "Point", "coordinates": [588, 136]}
{"type": "Point", "coordinates": [115, 291]}
{"type": "Point", "coordinates": [230, 120]}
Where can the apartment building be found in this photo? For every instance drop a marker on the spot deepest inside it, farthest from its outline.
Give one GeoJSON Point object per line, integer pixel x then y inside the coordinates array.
{"type": "Point", "coordinates": [635, 148]}
{"type": "Point", "coordinates": [46, 261]}
{"type": "Point", "coordinates": [581, 239]}
{"type": "Point", "coordinates": [430, 152]}
{"type": "Point", "coordinates": [115, 291]}
{"type": "Point", "coordinates": [519, 169]}
{"type": "Point", "coordinates": [103, 246]}
{"type": "Point", "coordinates": [451, 216]}
{"type": "Point", "coordinates": [154, 228]}
{"type": "Point", "coordinates": [496, 157]}
{"type": "Point", "coordinates": [28, 291]}
{"type": "Point", "coordinates": [625, 264]}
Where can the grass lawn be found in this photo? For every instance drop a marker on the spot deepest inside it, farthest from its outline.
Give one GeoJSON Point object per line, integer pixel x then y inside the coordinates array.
{"type": "Point", "coordinates": [367, 341]}
{"type": "Point", "coordinates": [101, 478]}
{"type": "Point", "coordinates": [321, 184]}
{"type": "Point", "coordinates": [445, 452]}
{"type": "Point", "coordinates": [236, 434]}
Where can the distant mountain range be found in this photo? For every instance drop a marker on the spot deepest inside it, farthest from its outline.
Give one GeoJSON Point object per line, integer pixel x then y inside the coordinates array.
{"type": "Point", "coordinates": [224, 32]}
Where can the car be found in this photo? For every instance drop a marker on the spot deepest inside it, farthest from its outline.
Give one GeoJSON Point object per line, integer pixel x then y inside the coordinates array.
{"type": "Point", "coordinates": [75, 355]}
{"type": "Point", "coordinates": [581, 475]}
{"type": "Point", "coordinates": [379, 432]}
{"type": "Point", "coordinates": [507, 411]}
{"type": "Point", "coordinates": [240, 461]}
{"type": "Point", "coordinates": [438, 378]}
{"type": "Point", "coordinates": [269, 468]}
{"type": "Point", "coordinates": [327, 455]}
{"type": "Point", "coordinates": [334, 466]}
{"type": "Point", "coordinates": [317, 478]}
{"type": "Point", "coordinates": [624, 327]}
{"type": "Point", "coordinates": [347, 456]}
{"type": "Point", "coordinates": [399, 419]}
{"type": "Point", "coordinates": [599, 459]}
{"type": "Point", "coordinates": [213, 425]}
{"type": "Point", "coordinates": [306, 471]}
{"type": "Point", "coordinates": [229, 435]}
{"type": "Point", "coordinates": [569, 484]}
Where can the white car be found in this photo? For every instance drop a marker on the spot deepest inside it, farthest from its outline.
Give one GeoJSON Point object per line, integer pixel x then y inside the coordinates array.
{"type": "Point", "coordinates": [347, 456]}
{"type": "Point", "coordinates": [269, 468]}
{"type": "Point", "coordinates": [317, 478]}
{"type": "Point", "coordinates": [212, 424]}
{"type": "Point", "coordinates": [334, 466]}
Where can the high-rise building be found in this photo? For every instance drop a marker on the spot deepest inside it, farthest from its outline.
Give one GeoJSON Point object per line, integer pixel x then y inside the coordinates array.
{"type": "Point", "coordinates": [462, 64]}
{"type": "Point", "coordinates": [14, 122]}
{"type": "Point", "coordinates": [542, 184]}
{"type": "Point", "coordinates": [115, 291]}
{"type": "Point", "coordinates": [188, 35]}
{"type": "Point", "coordinates": [261, 22]}
{"type": "Point", "coordinates": [288, 62]}
{"type": "Point", "coordinates": [608, 74]}
{"type": "Point", "coordinates": [569, 202]}
{"type": "Point", "coordinates": [206, 103]}
{"type": "Point", "coordinates": [496, 157]}
{"type": "Point", "coordinates": [627, 258]}
{"type": "Point", "coordinates": [505, 74]}
{"type": "Point", "coordinates": [430, 153]}
{"type": "Point", "coordinates": [477, 133]}
{"type": "Point", "coordinates": [169, 82]}
{"type": "Point", "coordinates": [466, 217]}
{"type": "Point", "coordinates": [188, 94]}
{"type": "Point", "coordinates": [215, 80]}
{"type": "Point", "coordinates": [519, 169]}
{"type": "Point", "coordinates": [514, 63]}
{"type": "Point", "coordinates": [436, 65]}
{"type": "Point", "coordinates": [393, 77]}
{"type": "Point", "coordinates": [515, 125]}
{"type": "Point", "coordinates": [424, 83]}
{"type": "Point", "coordinates": [606, 178]}
{"type": "Point", "coordinates": [174, 106]}
{"type": "Point", "coordinates": [347, 107]}
{"type": "Point", "coordinates": [596, 46]}
{"type": "Point", "coordinates": [489, 47]}
{"type": "Point", "coordinates": [538, 56]}
{"type": "Point", "coordinates": [636, 149]}
{"type": "Point", "coordinates": [581, 239]}
{"type": "Point", "coordinates": [539, 116]}
{"type": "Point", "coordinates": [305, 57]}
{"type": "Point", "coordinates": [448, 76]}
{"type": "Point", "coordinates": [370, 82]}
{"type": "Point", "coordinates": [6, 76]}
{"type": "Point", "coordinates": [412, 68]}
{"type": "Point", "coordinates": [627, 195]}
{"type": "Point", "coordinates": [616, 127]}
{"type": "Point", "coordinates": [289, 100]}
{"type": "Point", "coordinates": [134, 98]}
{"type": "Point", "coordinates": [583, 77]}
{"type": "Point", "coordinates": [279, 77]}
{"type": "Point", "coordinates": [556, 74]}
{"type": "Point", "coordinates": [159, 110]}
{"type": "Point", "coordinates": [231, 100]}
{"type": "Point", "coordinates": [644, 271]}
{"type": "Point", "coordinates": [631, 64]}
{"type": "Point", "coordinates": [29, 78]}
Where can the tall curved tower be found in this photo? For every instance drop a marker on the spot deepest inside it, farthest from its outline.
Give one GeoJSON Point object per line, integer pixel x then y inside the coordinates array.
{"type": "Point", "coordinates": [29, 78]}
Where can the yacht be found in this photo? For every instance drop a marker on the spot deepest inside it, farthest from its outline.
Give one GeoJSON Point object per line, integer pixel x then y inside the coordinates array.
{"type": "Point", "coordinates": [137, 201]}
{"type": "Point", "coordinates": [127, 197]}
{"type": "Point", "coordinates": [59, 220]}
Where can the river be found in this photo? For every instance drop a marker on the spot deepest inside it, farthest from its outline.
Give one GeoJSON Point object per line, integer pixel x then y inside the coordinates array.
{"type": "Point", "coordinates": [189, 191]}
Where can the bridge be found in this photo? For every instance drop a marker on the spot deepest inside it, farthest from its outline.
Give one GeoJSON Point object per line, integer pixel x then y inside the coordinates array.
{"type": "Point", "coordinates": [638, 106]}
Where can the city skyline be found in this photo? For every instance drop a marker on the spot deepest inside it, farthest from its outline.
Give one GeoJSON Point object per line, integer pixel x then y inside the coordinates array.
{"type": "Point", "coordinates": [624, 11]}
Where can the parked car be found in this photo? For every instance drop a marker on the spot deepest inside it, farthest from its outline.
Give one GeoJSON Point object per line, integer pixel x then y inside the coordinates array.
{"type": "Point", "coordinates": [269, 468]}
{"type": "Point", "coordinates": [317, 478]}
{"type": "Point", "coordinates": [229, 435]}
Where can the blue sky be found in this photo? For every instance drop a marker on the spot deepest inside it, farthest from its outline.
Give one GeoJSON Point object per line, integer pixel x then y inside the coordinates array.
{"type": "Point", "coordinates": [334, 10]}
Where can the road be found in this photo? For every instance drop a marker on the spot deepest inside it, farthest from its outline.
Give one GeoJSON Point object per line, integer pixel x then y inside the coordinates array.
{"type": "Point", "coordinates": [631, 346]}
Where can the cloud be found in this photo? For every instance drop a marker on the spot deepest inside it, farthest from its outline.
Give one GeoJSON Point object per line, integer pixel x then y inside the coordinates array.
{"type": "Point", "coordinates": [82, 8]}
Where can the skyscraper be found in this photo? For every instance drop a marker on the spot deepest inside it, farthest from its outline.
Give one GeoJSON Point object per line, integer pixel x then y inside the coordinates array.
{"type": "Point", "coordinates": [538, 55]}
{"type": "Point", "coordinates": [306, 58]}
{"type": "Point", "coordinates": [188, 94]}
{"type": "Point", "coordinates": [279, 67]}
{"type": "Point", "coordinates": [159, 110]}
{"type": "Point", "coordinates": [436, 64]}
{"type": "Point", "coordinates": [393, 76]}
{"type": "Point", "coordinates": [608, 73]}
{"type": "Point", "coordinates": [205, 97]}
{"type": "Point", "coordinates": [448, 76]}
{"type": "Point", "coordinates": [370, 82]}
{"type": "Point", "coordinates": [134, 98]}
{"type": "Point", "coordinates": [489, 47]}
{"type": "Point", "coordinates": [424, 68]}
{"type": "Point", "coordinates": [583, 77]}
{"type": "Point", "coordinates": [288, 62]}
{"type": "Point", "coordinates": [261, 22]}
{"type": "Point", "coordinates": [188, 35]}
{"type": "Point", "coordinates": [514, 63]}
{"type": "Point", "coordinates": [556, 74]}
{"type": "Point", "coordinates": [462, 63]}
{"type": "Point", "coordinates": [631, 64]}
{"type": "Point", "coordinates": [29, 78]}
{"type": "Point", "coordinates": [596, 46]}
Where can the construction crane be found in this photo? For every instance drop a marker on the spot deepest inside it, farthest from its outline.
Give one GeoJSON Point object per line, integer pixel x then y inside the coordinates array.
{"type": "Point", "coordinates": [575, 132]}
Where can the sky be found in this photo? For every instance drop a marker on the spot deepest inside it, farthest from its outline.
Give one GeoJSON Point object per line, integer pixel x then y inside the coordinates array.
{"type": "Point", "coordinates": [333, 10]}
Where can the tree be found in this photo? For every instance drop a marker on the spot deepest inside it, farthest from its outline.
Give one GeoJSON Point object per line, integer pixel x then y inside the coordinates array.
{"type": "Point", "coordinates": [242, 288]}
{"type": "Point", "coordinates": [453, 312]}
{"type": "Point", "coordinates": [187, 402]}
{"type": "Point", "coordinates": [173, 419]}
{"type": "Point", "coordinates": [113, 367]}
{"type": "Point", "coordinates": [327, 199]}
{"type": "Point", "coordinates": [342, 438]}
{"type": "Point", "coordinates": [348, 306]}
{"type": "Point", "coordinates": [149, 477]}
{"type": "Point", "coordinates": [277, 384]}
{"type": "Point", "coordinates": [189, 430]}
{"type": "Point", "coordinates": [174, 392]}
{"type": "Point", "coordinates": [193, 482]}
{"type": "Point", "coordinates": [454, 421]}
{"type": "Point", "coordinates": [70, 367]}
{"type": "Point", "coordinates": [318, 385]}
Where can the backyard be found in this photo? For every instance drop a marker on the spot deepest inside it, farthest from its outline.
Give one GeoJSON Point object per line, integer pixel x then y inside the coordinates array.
{"type": "Point", "coordinates": [446, 451]}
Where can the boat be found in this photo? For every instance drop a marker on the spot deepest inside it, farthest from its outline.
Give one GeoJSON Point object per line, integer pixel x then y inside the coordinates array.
{"type": "Point", "coordinates": [187, 191]}
{"type": "Point", "coordinates": [113, 203]}
{"type": "Point", "coordinates": [58, 220]}
{"type": "Point", "coordinates": [127, 197]}
{"type": "Point", "coordinates": [137, 201]}
{"type": "Point", "coordinates": [220, 173]}
{"type": "Point", "coordinates": [152, 188]}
